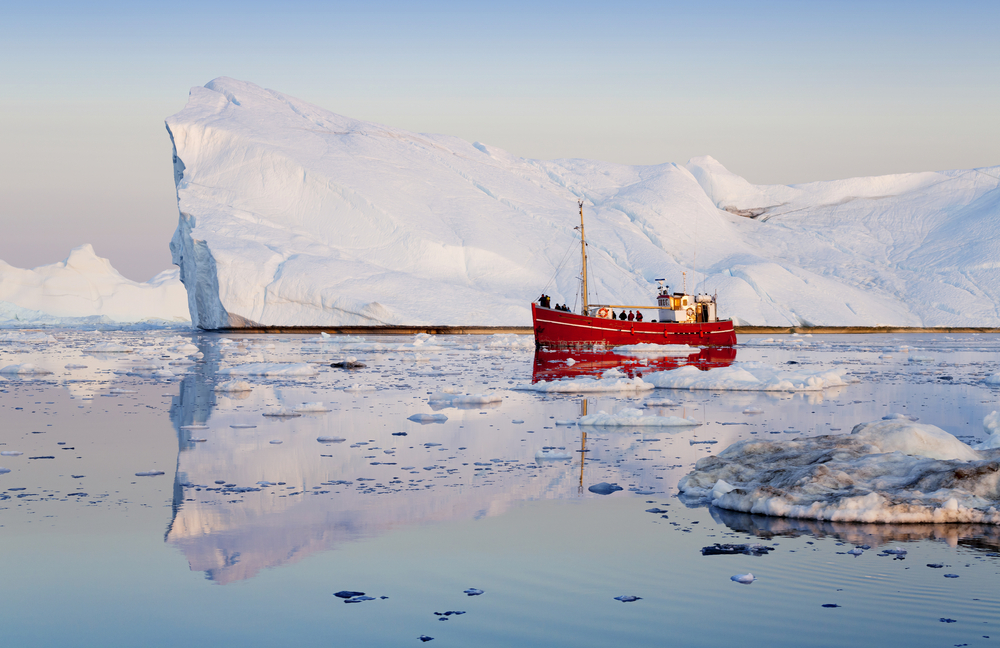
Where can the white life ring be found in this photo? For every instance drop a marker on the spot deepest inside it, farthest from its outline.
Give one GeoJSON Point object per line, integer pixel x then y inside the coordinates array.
{"type": "Point", "coordinates": [603, 313]}
{"type": "Point", "coordinates": [690, 312]}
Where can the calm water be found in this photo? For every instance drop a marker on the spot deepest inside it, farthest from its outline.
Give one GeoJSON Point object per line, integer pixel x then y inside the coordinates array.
{"type": "Point", "coordinates": [93, 555]}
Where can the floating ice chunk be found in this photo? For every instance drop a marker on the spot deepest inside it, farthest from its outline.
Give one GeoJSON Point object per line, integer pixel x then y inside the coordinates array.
{"type": "Point", "coordinates": [659, 402]}
{"type": "Point", "coordinates": [565, 421]}
{"type": "Point", "coordinates": [991, 426]}
{"type": "Point", "coordinates": [744, 579]}
{"type": "Point", "coordinates": [194, 426]}
{"type": "Point", "coordinates": [270, 369]}
{"type": "Point", "coordinates": [108, 347]}
{"type": "Point", "coordinates": [472, 591]}
{"type": "Point", "coordinates": [448, 397]}
{"type": "Point", "coordinates": [197, 440]}
{"type": "Point", "coordinates": [517, 421]}
{"type": "Point", "coordinates": [358, 387]}
{"type": "Point", "coordinates": [281, 412]}
{"type": "Point", "coordinates": [234, 386]}
{"type": "Point", "coordinates": [884, 471]}
{"type": "Point", "coordinates": [611, 380]}
{"type": "Point", "coordinates": [857, 551]}
{"type": "Point", "coordinates": [330, 439]}
{"type": "Point", "coordinates": [148, 473]}
{"type": "Point", "coordinates": [184, 349]}
{"type": "Point", "coordinates": [26, 369]}
{"type": "Point", "coordinates": [921, 359]}
{"type": "Point", "coordinates": [10, 453]}
{"type": "Point", "coordinates": [427, 418]}
{"type": "Point", "coordinates": [628, 598]}
{"type": "Point", "coordinates": [749, 376]}
{"type": "Point", "coordinates": [635, 417]}
{"type": "Point", "coordinates": [4, 471]}
{"type": "Point", "coordinates": [276, 442]}
{"type": "Point", "coordinates": [312, 408]}
{"type": "Point", "coordinates": [570, 362]}
{"type": "Point", "coordinates": [75, 366]}
{"type": "Point", "coordinates": [753, 410]}
{"type": "Point", "coordinates": [242, 426]}
{"type": "Point", "coordinates": [545, 455]}
{"type": "Point", "coordinates": [120, 390]}
{"type": "Point", "coordinates": [655, 350]}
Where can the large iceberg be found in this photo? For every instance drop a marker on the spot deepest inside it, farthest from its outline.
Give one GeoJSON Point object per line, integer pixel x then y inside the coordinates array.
{"type": "Point", "coordinates": [291, 215]}
{"type": "Point", "coordinates": [86, 289]}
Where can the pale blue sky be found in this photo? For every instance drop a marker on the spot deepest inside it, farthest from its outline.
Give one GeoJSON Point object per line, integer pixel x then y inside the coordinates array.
{"type": "Point", "coordinates": [779, 92]}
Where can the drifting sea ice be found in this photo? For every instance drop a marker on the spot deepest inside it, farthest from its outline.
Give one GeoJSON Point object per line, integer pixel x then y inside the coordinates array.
{"type": "Point", "coordinates": [26, 369]}
{"type": "Point", "coordinates": [427, 418]}
{"type": "Point", "coordinates": [635, 417]}
{"type": "Point", "coordinates": [270, 369]}
{"type": "Point", "coordinates": [885, 471]}
{"type": "Point", "coordinates": [312, 408]}
{"type": "Point", "coordinates": [26, 336]}
{"type": "Point", "coordinates": [611, 380]}
{"type": "Point", "coordinates": [108, 347]}
{"type": "Point", "coordinates": [450, 396]}
{"type": "Point", "coordinates": [749, 376]}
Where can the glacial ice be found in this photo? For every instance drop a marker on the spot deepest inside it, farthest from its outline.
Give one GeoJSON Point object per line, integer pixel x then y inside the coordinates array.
{"type": "Point", "coordinates": [86, 289]}
{"type": "Point", "coordinates": [884, 471]}
{"type": "Point", "coordinates": [292, 215]}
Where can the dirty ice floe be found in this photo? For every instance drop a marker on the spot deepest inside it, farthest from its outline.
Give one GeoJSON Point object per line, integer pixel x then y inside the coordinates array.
{"type": "Point", "coordinates": [270, 369]}
{"type": "Point", "coordinates": [635, 417]}
{"type": "Point", "coordinates": [26, 369]}
{"type": "Point", "coordinates": [655, 350]}
{"type": "Point", "coordinates": [234, 386]}
{"type": "Point", "coordinates": [884, 471]}
{"type": "Point", "coordinates": [611, 380]}
{"type": "Point", "coordinates": [744, 579]}
{"type": "Point", "coordinates": [749, 376]}
{"type": "Point", "coordinates": [427, 418]}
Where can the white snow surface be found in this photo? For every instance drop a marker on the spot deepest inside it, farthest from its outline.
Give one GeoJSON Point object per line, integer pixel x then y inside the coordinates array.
{"type": "Point", "coordinates": [293, 215]}
{"type": "Point", "coordinates": [749, 376]}
{"type": "Point", "coordinates": [85, 289]}
{"type": "Point", "coordinates": [884, 471]}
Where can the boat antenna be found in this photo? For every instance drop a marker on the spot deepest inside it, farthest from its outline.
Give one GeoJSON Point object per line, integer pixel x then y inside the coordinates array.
{"type": "Point", "coordinates": [583, 253]}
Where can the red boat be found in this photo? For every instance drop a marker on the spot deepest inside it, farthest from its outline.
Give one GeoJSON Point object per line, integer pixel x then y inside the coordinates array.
{"type": "Point", "coordinates": [680, 319]}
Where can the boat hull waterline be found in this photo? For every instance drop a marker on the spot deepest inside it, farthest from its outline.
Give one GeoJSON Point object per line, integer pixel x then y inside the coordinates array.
{"type": "Point", "coordinates": [554, 328]}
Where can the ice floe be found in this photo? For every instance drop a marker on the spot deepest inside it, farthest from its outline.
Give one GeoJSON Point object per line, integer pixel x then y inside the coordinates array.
{"type": "Point", "coordinates": [270, 369]}
{"type": "Point", "coordinates": [233, 386]}
{"type": "Point", "coordinates": [25, 369]}
{"type": "Point", "coordinates": [634, 417]}
{"type": "Point", "coordinates": [611, 380]}
{"type": "Point", "coordinates": [427, 418]}
{"type": "Point", "coordinates": [884, 471]}
{"type": "Point", "coordinates": [749, 376]}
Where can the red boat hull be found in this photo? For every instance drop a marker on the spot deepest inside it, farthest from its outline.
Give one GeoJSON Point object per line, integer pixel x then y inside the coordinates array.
{"type": "Point", "coordinates": [561, 329]}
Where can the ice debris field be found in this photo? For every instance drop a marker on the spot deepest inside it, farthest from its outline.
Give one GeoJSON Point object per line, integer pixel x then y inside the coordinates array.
{"type": "Point", "coordinates": [797, 469]}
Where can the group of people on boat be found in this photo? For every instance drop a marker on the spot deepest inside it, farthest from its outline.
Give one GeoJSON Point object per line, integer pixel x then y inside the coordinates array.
{"type": "Point", "coordinates": [631, 317]}
{"type": "Point", "coordinates": [546, 302]}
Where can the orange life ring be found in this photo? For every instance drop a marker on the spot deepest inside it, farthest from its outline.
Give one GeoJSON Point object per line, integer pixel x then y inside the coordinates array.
{"type": "Point", "coordinates": [603, 313]}
{"type": "Point", "coordinates": [690, 312]}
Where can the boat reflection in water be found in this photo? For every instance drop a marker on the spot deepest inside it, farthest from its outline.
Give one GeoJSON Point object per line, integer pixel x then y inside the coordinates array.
{"type": "Point", "coordinates": [556, 364]}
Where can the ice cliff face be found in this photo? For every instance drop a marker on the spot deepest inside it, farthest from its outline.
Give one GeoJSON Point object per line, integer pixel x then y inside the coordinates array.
{"type": "Point", "coordinates": [294, 216]}
{"type": "Point", "coordinates": [85, 289]}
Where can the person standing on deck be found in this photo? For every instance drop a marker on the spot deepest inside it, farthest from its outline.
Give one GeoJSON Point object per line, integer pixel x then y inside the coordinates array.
{"type": "Point", "coordinates": [631, 316]}
{"type": "Point", "coordinates": [638, 316]}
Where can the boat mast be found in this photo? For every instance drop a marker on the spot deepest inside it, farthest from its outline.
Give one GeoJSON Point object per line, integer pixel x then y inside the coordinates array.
{"type": "Point", "coordinates": [583, 253]}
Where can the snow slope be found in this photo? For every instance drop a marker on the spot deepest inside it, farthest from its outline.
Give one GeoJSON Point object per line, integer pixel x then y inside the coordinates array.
{"type": "Point", "coordinates": [86, 289]}
{"type": "Point", "coordinates": [291, 215]}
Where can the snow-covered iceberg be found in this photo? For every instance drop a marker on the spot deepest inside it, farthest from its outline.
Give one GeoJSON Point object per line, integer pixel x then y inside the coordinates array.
{"type": "Point", "coordinates": [291, 215]}
{"type": "Point", "coordinates": [86, 289]}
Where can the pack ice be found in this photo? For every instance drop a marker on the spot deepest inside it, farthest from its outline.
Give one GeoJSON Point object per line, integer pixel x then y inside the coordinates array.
{"type": "Point", "coordinates": [893, 470]}
{"type": "Point", "coordinates": [293, 215]}
{"type": "Point", "coordinates": [85, 288]}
